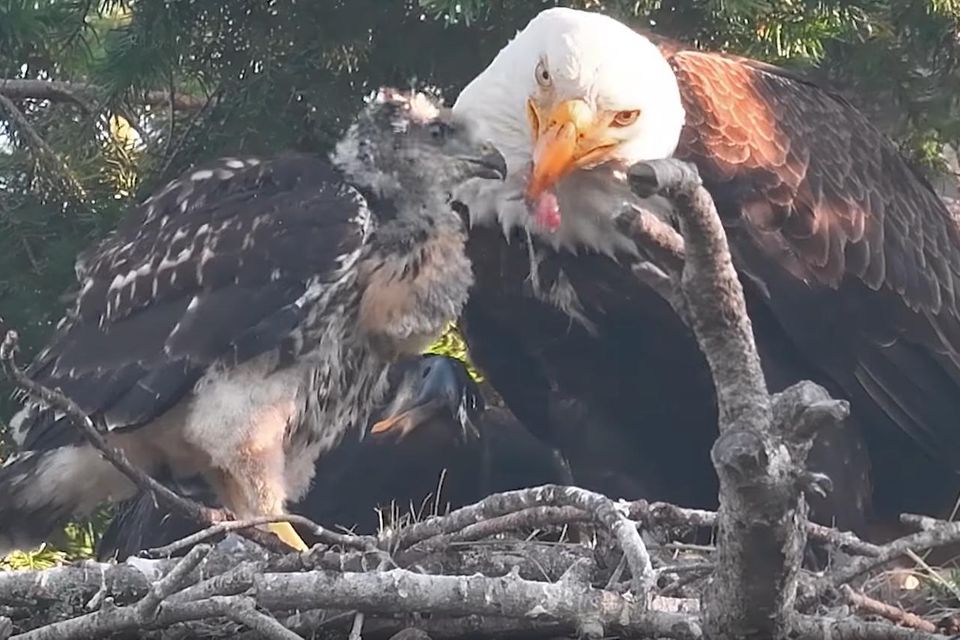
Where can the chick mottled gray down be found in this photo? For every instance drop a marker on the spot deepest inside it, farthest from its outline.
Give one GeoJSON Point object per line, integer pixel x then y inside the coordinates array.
{"type": "Point", "coordinates": [240, 321]}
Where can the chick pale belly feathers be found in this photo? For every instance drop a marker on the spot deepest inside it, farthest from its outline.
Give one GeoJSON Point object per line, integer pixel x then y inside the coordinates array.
{"type": "Point", "coordinates": [240, 321]}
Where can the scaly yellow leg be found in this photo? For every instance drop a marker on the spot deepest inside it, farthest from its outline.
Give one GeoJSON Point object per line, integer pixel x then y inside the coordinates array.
{"type": "Point", "coordinates": [286, 532]}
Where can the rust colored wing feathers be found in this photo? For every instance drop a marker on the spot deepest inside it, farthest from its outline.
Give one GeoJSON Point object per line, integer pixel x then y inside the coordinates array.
{"type": "Point", "coordinates": [819, 177]}
{"type": "Point", "coordinates": [815, 191]}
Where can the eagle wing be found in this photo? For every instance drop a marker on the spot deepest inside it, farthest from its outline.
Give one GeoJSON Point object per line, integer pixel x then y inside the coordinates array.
{"type": "Point", "coordinates": [214, 269]}
{"type": "Point", "coordinates": [819, 197]}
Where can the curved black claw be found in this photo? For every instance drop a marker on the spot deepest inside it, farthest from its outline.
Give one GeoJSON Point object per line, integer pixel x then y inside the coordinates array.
{"type": "Point", "coordinates": [818, 483]}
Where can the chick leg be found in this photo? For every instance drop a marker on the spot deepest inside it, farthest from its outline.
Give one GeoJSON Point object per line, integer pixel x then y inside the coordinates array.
{"type": "Point", "coordinates": [253, 486]}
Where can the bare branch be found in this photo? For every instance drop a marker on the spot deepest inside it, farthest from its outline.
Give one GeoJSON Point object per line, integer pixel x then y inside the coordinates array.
{"type": "Point", "coordinates": [714, 294]}
{"type": "Point", "coordinates": [82, 93]}
{"type": "Point", "coordinates": [819, 628]}
{"type": "Point", "coordinates": [663, 513]}
{"type": "Point", "coordinates": [525, 519]}
{"type": "Point", "coordinates": [761, 453]}
{"type": "Point", "coordinates": [657, 238]}
{"type": "Point", "coordinates": [941, 535]}
{"type": "Point", "coordinates": [602, 509]}
{"type": "Point", "coordinates": [404, 592]}
{"type": "Point", "coordinates": [173, 581]}
{"type": "Point", "coordinates": [325, 535]}
{"type": "Point", "coordinates": [265, 626]}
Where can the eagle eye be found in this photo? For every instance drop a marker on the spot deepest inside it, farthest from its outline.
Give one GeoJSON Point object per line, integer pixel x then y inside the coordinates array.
{"type": "Point", "coordinates": [543, 74]}
{"type": "Point", "coordinates": [626, 118]}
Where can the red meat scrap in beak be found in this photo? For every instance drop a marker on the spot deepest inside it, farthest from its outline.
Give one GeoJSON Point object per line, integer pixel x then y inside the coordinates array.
{"type": "Point", "coordinates": [546, 210]}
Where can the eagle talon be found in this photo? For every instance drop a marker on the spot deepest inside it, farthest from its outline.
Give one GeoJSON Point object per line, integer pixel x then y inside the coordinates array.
{"type": "Point", "coordinates": [816, 483]}
{"type": "Point", "coordinates": [289, 535]}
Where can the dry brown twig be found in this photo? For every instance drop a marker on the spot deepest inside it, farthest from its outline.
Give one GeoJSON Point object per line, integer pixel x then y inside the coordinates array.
{"type": "Point", "coordinates": [891, 613]}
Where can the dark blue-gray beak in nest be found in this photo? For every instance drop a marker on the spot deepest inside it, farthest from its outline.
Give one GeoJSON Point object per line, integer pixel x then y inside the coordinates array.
{"type": "Point", "coordinates": [429, 386]}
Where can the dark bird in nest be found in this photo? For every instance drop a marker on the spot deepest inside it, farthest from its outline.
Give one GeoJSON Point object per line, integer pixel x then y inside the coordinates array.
{"type": "Point", "coordinates": [240, 321]}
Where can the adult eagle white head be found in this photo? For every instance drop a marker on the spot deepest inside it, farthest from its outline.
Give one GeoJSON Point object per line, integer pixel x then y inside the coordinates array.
{"type": "Point", "coordinates": [814, 180]}
{"type": "Point", "coordinates": [584, 89]}
{"type": "Point", "coordinates": [852, 261]}
{"type": "Point", "coordinates": [573, 90]}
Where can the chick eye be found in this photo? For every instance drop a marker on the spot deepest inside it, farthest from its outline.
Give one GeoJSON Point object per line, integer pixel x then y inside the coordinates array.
{"type": "Point", "coordinates": [543, 75]}
{"type": "Point", "coordinates": [626, 118]}
{"type": "Point", "coordinates": [439, 130]}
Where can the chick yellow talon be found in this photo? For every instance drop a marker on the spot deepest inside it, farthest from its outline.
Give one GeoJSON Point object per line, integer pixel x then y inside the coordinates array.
{"type": "Point", "coordinates": [286, 532]}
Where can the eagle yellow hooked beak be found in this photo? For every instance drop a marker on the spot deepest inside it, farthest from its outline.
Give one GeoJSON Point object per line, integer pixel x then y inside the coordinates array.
{"type": "Point", "coordinates": [571, 136]}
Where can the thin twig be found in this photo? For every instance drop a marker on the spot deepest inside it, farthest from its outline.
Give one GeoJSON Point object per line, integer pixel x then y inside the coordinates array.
{"type": "Point", "coordinates": [603, 510]}
{"type": "Point", "coordinates": [945, 534]}
{"type": "Point", "coordinates": [525, 519]}
{"type": "Point", "coordinates": [363, 543]}
{"type": "Point", "coordinates": [171, 153]}
{"type": "Point", "coordinates": [31, 256]}
{"type": "Point", "coordinates": [891, 613]}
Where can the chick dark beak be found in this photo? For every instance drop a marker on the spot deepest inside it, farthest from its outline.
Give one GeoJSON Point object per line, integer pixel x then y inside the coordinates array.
{"type": "Point", "coordinates": [438, 389]}
{"type": "Point", "coordinates": [490, 164]}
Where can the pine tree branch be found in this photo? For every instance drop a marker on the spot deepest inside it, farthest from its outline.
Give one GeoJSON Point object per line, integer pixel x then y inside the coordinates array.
{"type": "Point", "coordinates": [44, 151]}
{"type": "Point", "coordinates": [82, 94]}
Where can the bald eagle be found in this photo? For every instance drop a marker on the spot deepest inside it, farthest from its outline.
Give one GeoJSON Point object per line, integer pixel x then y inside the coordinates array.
{"type": "Point", "coordinates": [241, 320]}
{"type": "Point", "coordinates": [850, 261]}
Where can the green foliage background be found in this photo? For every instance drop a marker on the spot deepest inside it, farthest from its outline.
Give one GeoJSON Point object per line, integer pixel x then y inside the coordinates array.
{"type": "Point", "coordinates": [287, 74]}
